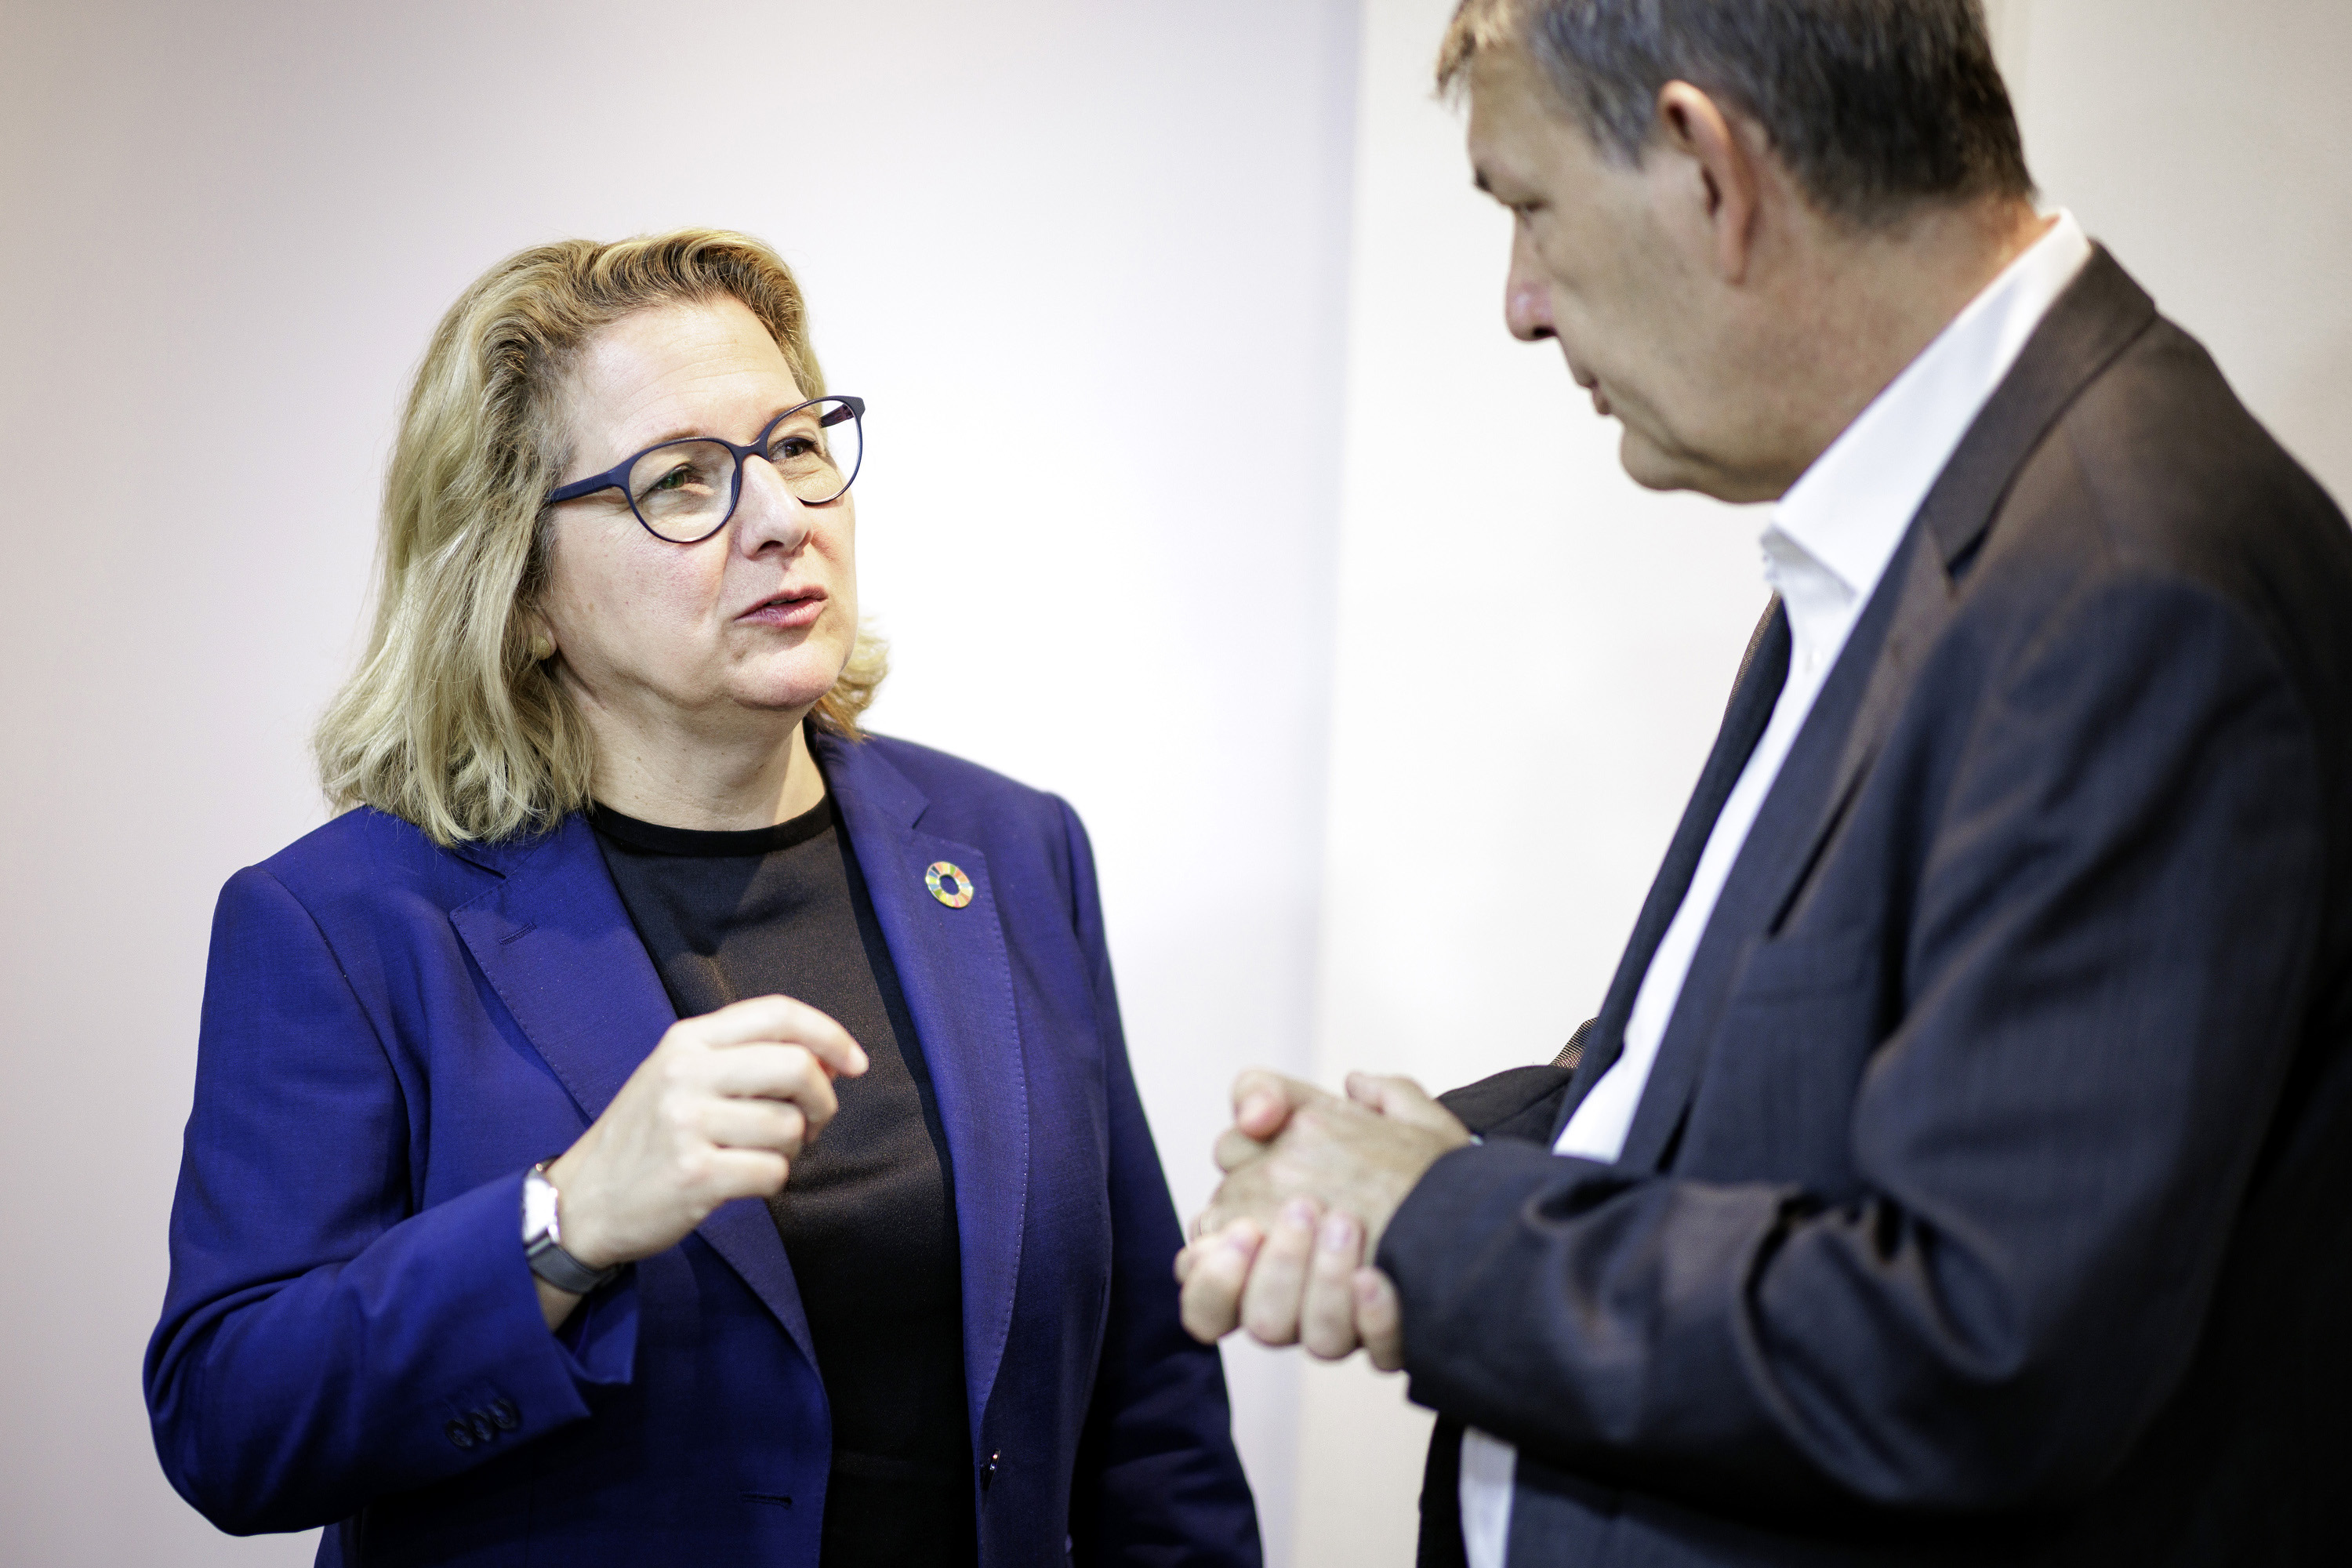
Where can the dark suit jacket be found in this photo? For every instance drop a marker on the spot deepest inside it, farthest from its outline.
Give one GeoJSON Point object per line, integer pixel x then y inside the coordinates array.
{"type": "Point", "coordinates": [1991, 1196]}
{"type": "Point", "coordinates": [393, 1033]}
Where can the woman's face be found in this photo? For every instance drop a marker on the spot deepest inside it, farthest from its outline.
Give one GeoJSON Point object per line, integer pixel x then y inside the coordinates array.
{"type": "Point", "coordinates": [720, 637]}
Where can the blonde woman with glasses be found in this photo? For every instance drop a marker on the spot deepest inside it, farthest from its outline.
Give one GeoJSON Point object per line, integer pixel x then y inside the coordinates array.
{"type": "Point", "coordinates": [657, 1121]}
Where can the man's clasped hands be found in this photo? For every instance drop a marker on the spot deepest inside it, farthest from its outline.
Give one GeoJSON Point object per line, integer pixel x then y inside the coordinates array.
{"type": "Point", "coordinates": [1286, 1246]}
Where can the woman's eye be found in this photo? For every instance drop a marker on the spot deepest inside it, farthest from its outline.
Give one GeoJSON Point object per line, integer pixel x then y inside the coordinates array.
{"type": "Point", "coordinates": [677, 479]}
{"type": "Point", "coordinates": [791, 447]}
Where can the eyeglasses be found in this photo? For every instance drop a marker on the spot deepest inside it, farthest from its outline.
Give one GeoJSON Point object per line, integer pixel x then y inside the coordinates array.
{"type": "Point", "coordinates": [684, 492]}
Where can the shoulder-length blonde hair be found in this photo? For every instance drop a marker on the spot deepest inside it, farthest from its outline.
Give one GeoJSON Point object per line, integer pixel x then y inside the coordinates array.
{"type": "Point", "coordinates": [449, 723]}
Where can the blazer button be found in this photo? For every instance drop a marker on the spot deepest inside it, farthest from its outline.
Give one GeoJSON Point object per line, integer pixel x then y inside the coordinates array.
{"type": "Point", "coordinates": [459, 1435]}
{"type": "Point", "coordinates": [988, 1469]}
{"type": "Point", "coordinates": [480, 1422]}
{"type": "Point", "coordinates": [504, 1416]}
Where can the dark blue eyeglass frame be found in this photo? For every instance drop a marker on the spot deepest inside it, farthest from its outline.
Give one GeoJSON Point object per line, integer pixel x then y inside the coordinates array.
{"type": "Point", "coordinates": [617, 478]}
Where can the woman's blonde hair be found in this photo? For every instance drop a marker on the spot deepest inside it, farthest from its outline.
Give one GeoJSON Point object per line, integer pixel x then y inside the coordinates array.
{"type": "Point", "coordinates": [449, 723]}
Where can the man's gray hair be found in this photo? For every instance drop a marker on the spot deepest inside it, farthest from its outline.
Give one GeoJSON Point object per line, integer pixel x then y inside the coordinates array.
{"type": "Point", "coordinates": [1876, 106]}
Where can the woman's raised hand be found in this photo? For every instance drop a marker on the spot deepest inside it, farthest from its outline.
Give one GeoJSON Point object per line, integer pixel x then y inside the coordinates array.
{"type": "Point", "coordinates": [719, 1110]}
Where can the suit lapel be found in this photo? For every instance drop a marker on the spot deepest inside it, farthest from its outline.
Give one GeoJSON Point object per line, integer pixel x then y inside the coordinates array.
{"type": "Point", "coordinates": [2101, 313]}
{"type": "Point", "coordinates": [1762, 671]}
{"type": "Point", "coordinates": [556, 944]}
{"type": "Point", "coordinates": [958, 982]}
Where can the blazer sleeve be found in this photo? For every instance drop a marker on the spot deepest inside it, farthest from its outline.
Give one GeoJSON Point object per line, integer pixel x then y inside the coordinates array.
{"type": "Point", "coordinates": [322, 1344]}
{"type": "Point", "coordinates": [1158, 1478]}
{"type": "Point", "coordinates": [2104, 975]}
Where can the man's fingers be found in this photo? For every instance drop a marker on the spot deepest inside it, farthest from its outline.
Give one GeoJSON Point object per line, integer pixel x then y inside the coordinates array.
{"type": "Point", "coordinates": [1277, 1281]}
{"type": "Point", "coordinates": [1210, 1305]}
{"type": "Point", "coordinates": [1263, 1101]}
{"type": "Point", "coordinates": [1326, 1318]}
{"type": "Point", "coordinates": [1235, 1148]}
{"type": "Point", "coordinates": [1379, 1320]}
{"type": "Point", "coordinates": [780, 1020]}
{"type": "Point", "coordinates": [1402, 1100]}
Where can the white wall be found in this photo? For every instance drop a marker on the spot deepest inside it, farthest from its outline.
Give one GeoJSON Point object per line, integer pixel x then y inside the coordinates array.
{"type": "Point", "coordinates": [1533, 654]}
{"type": "Point", "coordinates": [1113, 233]}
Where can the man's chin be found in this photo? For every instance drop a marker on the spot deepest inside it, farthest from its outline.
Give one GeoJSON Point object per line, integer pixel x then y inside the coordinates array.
{"type": "Point", "coordinates": [1653, 468]}
{"type": "Point", "coordinates": [1657, 467]}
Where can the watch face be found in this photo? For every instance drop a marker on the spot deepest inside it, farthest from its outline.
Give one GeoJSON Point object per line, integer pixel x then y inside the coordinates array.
{"type": "Point", "coordinates": [538, 1206]}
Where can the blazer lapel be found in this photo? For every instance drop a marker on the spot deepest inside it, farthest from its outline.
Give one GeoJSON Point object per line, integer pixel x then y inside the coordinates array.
{"type": "Point", "coordinates": [2100, 314]}
{"type": "Point", "coordinates": [958, 981]}
{"type": "Point", "coordinates": [555, 942]}
{"type": "Point", "coordinates": [1762, 672]}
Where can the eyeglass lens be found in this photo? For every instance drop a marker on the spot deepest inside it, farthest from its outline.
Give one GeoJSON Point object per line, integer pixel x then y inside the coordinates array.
{"type": "Point", "coordinates": [684, 492]}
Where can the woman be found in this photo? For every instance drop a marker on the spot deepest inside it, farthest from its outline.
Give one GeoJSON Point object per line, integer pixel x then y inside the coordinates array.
{"type": "Point", "coordinates": [611, 808]}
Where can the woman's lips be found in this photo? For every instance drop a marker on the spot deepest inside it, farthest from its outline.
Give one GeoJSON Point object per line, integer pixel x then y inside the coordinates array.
{"type": "Point", "coordinates": [799, 610]}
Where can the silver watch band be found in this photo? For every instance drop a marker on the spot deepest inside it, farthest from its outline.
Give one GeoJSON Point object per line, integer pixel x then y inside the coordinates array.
{"type": "Point", "coordinates": [542, 1239]}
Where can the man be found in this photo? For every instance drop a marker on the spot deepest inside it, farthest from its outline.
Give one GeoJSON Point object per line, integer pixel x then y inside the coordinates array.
{"type": "Point", "coordinates": [1958, 1168]}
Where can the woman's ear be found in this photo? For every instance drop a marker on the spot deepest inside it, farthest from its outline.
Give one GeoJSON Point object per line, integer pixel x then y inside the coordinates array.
{"type": "Point", "coordinates": [538, 638]}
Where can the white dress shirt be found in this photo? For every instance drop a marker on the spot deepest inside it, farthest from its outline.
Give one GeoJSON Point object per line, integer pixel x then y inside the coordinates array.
{"type": "Point", "coordinates": [1825, 548]}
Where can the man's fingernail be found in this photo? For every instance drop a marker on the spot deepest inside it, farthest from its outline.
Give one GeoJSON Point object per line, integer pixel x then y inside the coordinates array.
{"type": "Point", "coordinates": [1298, 1212]}
{"type": "Point", "coordinates": [1339, 1232]}
{"type": "Point", "coordinates": [1243, 1242]}
{"type": "Point", "coordinates": [1368, 1289]}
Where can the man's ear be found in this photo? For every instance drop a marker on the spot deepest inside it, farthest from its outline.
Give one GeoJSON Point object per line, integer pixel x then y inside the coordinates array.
{"type": "Point", "coordinates": [1719, 184]}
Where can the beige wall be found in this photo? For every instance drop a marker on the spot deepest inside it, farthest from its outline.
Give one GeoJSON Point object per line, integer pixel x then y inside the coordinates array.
{"type": "Point", "coordinates": [1532, 654]}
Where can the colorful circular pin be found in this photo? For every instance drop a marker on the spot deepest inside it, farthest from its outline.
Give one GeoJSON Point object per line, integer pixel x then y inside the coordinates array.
{"type": "Point", "coordinates": [948, 883]}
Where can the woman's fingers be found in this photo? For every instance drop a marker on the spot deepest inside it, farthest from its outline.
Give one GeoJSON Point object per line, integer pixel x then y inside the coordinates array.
{"type": "Point", "coordinates": [775, 1125]}
{"type": "Point", "coordinates": [1327, 1317]}
{"type": "Point", "coordinates": [780, 1020]}
{"type": "Point", "coordinates": [742, 1174]}
{"type": "Point", "coordinates": [774, 1072]}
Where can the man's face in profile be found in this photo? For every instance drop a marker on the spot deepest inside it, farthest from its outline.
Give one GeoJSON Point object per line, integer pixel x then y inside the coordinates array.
{"type": "Point", "coordinates": [1593, 266]}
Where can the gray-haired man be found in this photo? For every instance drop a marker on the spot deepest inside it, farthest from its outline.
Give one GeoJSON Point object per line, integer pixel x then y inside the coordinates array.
{"type": "Point", "coordinates": [1957, 1168]}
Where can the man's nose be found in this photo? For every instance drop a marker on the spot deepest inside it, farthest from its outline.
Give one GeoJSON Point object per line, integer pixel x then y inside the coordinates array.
{"type": "Point", "coordinates": [767, 512]}
{"type": "Point", "coordinates": [1526, 297]}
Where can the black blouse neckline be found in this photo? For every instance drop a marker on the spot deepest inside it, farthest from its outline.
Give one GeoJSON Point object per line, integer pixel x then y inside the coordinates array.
{"type": "Point", "coordinates": [656, 839]}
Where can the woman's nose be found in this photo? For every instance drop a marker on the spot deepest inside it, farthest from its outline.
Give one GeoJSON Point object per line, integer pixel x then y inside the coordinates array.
{"type": "Point", "coordinates": [767, 512]}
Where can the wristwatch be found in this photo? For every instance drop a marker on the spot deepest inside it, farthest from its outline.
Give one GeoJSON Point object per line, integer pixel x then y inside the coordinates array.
{"type": "Point", "coordinates": [542, 1239]}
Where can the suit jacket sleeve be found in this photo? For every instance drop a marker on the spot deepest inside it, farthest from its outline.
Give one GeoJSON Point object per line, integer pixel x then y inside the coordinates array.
{"type": "Point", "coordinates": [1158, 1477]}
{"type": "Point", "coordinates": [318, 1337]}
{"type": "Point", "coordinates": [2102, 980]}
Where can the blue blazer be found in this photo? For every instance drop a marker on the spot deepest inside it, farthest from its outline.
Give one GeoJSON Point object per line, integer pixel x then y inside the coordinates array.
{"type": "Point", "coordinates": [393, 1033]}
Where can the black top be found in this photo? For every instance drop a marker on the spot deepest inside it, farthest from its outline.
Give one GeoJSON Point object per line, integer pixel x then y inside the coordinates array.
{"type": "Point", "coordinates": [867, 1215]}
